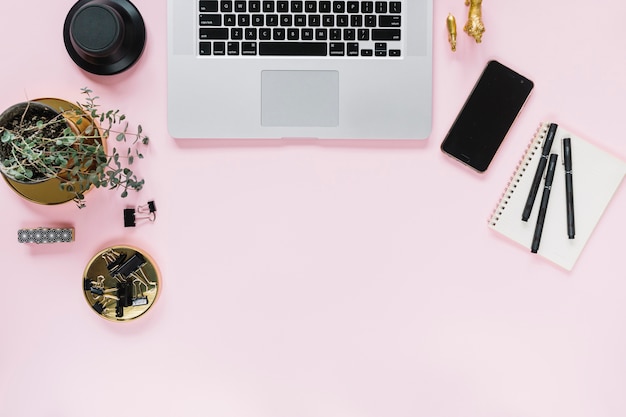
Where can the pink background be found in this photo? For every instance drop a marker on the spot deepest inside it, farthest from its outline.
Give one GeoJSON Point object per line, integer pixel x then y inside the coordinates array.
{"type": "Point", "coordinates": [352, 279]}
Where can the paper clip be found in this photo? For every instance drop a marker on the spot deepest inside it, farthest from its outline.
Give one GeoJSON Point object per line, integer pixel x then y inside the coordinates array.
{"type": "Point", "coordinates": [45, 235]}
{"type": "Point", "coordinates": [144, 212]}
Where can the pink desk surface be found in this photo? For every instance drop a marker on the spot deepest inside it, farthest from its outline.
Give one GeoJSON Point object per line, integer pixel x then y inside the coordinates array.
{"type": "Point", "coordinates": [335, 279]}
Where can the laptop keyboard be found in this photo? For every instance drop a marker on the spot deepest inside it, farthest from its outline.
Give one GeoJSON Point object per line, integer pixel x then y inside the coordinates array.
{"type": "Point", "coordinates": [314, 28]}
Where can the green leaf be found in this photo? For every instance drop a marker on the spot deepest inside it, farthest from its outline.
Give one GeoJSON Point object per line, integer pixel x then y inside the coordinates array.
{"type": "Point", "coordinates": [120, 137]}
{"type": "Point", "coordinates": [7, 136]}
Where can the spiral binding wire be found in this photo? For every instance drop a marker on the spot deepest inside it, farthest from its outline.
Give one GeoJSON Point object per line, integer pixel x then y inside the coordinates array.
{"type": "Point", "coordinates": [533, 147]}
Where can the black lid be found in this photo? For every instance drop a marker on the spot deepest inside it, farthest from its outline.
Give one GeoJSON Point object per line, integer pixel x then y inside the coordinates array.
{"type": "Point", "coordinates": [104, 37]}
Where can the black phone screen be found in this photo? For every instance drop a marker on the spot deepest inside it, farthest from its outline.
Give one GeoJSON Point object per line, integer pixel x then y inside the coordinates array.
{"type": "Point", "coordinates": [487, 115]}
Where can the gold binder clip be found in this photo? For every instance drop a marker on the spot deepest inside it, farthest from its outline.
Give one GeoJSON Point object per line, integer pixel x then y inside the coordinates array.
{"type": "Point", "coordinates": [475, 26]}
{"type": "Point", "coordinates": [451, 25]}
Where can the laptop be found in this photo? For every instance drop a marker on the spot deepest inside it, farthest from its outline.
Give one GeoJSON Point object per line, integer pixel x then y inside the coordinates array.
{"type": "Point", "coordinates": [273, 69]}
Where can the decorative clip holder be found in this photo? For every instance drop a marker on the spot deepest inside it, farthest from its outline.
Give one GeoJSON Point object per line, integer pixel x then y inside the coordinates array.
{"type": "Point", "coordinates": [45, 235]}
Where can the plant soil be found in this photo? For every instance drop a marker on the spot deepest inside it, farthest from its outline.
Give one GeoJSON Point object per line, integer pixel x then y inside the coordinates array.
{"type": "Point", "coordinates": [24, 116]}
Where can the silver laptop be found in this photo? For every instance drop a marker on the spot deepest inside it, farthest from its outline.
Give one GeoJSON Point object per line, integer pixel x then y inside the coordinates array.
{"type": "Point", "coordinates": [271, 69]}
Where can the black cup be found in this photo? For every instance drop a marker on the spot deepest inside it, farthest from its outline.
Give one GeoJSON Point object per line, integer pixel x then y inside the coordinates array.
{"type": "Point", "coordinates": [104, 37]}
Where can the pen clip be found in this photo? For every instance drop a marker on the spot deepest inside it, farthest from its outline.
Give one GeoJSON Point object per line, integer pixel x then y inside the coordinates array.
{"type": "Point", "coordinates": [566, 147]}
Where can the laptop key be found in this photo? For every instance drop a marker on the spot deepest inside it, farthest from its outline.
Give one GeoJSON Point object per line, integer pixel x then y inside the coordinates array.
{"type": "Point", "coordinates": [389, 21]}
{"type": "Point", "coordinates": [209, 6]}
{"type": "Point", "coordinates": [339, 6]}
{"type": "Point", "coordinates": [251, 34]}
{"type": "Point", "coordinates": [293, 48]}
{"type": "Point", "coordinates": [353, 49]}
{"type": "Point", "coordinates": [279, 34]}
{"type": "Point", "coordinates": [258, 20]}
{"type": "Point", "coordinates": [213, 33]}
{"type": "Point", "coordinates": [380, 49]}
{"type": "Point", "coordinates": [219, 48]}
{"type": "Point", "coordinates": [385, 34]}
{"type": "Point", "coordinates": [337, 49]}
{"type": "Point", "coordinates": [243, 20]}
{"type": "Point", "coordinates": [226, 6]}
{"type": "Point", "coordinates": [272, 20]}
{"type": "Point", "coordinates": [248, 48]}
{"type": "Point", "coordinates": [236, 34]}
{"type": "Point", "coordinates": [233, 48]}
{"type": "Point", "coordinates": [268, 6]}
{"type": "Point", "coordinates": [230, 20]}
{"type": "Point", "coordinates": [353, 7]}
{"type": "Point", "coordinates": [205, 48]}
{"type": "Point", "coordinates": [293, 34]}
{"type": "Point", "coordinates": [297, 6]}
{"type": "Point", "coordinates": [254, 6]}
{"type": "Point", "coordinates": [265, 34]}
{"type": "Point", "coordinates": [210, 20]}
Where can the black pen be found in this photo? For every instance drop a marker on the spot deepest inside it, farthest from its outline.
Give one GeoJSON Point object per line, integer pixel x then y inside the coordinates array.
{"type": "Point", "coordinates": [547, 145]}
{"type": "Point", "coordinates": [543, 207]}
{"type": "Point", "coordinates": [569, 186]}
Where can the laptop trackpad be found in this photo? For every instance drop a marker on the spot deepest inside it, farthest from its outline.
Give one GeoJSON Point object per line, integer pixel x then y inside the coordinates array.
{"type": "Point", "coordinates": [300, 98]}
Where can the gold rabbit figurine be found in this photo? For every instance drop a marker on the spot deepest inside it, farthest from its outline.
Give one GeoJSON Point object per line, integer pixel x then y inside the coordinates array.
{"type": "Point", "coordinates": [475, 26]}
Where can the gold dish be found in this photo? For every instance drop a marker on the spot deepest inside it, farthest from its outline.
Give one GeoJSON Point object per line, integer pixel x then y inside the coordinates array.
{"type": "Point", "coordinates": [121, 283]}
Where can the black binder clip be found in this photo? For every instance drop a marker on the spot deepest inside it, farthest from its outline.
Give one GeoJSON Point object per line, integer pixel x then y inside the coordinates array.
{"type": "Point", "coordinates": [145, 212]}
{"type": "Point", "coordinates": [133, 264]}
{"type": "Point", "coordinates": [131, 281]}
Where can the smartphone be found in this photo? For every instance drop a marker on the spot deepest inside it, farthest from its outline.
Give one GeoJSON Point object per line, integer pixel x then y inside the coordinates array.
{"type": "Point", "coordinates": [487, 115]}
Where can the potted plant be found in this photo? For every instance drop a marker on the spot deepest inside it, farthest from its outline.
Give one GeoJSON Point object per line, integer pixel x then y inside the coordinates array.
{"type": "Point", "coordinates": [54, 141]}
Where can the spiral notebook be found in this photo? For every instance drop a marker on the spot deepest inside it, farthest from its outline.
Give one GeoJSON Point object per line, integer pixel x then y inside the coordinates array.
{"type": "Point", "coordinates": [596, 176]}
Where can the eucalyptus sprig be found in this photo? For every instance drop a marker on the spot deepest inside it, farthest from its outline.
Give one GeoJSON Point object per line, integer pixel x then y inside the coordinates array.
{"type": "Point", "coordinates": [34, 149]}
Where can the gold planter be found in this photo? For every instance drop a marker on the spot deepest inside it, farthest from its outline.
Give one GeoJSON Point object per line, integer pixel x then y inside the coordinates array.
{"type": "Point", "coordinates": [49, 191]}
